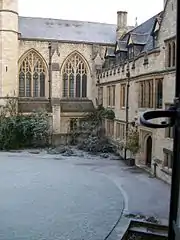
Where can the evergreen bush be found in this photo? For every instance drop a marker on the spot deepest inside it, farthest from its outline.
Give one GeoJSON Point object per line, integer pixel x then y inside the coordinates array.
{"type": "Point", "coordinates": [21, 131]}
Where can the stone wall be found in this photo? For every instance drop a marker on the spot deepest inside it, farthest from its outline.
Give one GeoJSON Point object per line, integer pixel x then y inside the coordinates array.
{"type": "Point", "coordinates": [90, 53]}
{"type": "Point", "coordinates": [8, 47]}
{"type": "Point", "coordinates": [156, 68]}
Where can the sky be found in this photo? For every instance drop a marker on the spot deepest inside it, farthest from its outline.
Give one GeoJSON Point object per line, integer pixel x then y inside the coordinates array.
{"type": "Point", "coordinates": [91, 10]}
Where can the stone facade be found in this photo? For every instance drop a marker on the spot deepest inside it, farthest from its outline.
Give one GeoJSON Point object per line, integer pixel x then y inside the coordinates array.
{"type": "Point", "coordinates": [86, 51]}
{"type": "Point", "coordinates": [155, 144]}
{"type": "Point", "coordinates": [150, 65]}
{"type": "Point", "coordinates": [15, 48]}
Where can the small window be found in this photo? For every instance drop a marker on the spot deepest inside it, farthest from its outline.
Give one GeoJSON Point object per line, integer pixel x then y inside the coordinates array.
{"type": "Point", "coordinates": [174, 54]}
{"type": "Point", "coordinates": [73, 124]}
{"type": "Point", "coordinates": [101, 96]}
{"type": "Point", "coordinates": [123, 95]}
{"type": "Point", "coordinates": [113, 95]}
{"type": "Point", "coordinates": [118, 134]}
{"type": "Point", "coordinates": [169, 55]}
{"type": "Point", "coordinates": [131, 52]}
{"type": "Point", "coordinates": [142, 95]}
{"type": "Point", "coordinates": [110, 128]}
{"type": "Point", "coordinates": [169, 131]}
{"type": "Point", "coordinates": [120, 131]}
{"type": "Point", "coordinates": [168, 159]}
{"type": "Point", "coordinates": [159, 93]}
{"type": "Point", "coordinates": [109, 96]}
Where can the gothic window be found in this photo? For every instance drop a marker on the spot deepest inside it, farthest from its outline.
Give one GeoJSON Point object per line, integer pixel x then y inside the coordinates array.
{"type": "Point", "coordinates": [151, 93]}
{"type": "Point", "coordinates": [75, 77]}
{"type": "Point", "coordinates": [32, 74]}
{"type": "Point", "coordinates": [146, 94]}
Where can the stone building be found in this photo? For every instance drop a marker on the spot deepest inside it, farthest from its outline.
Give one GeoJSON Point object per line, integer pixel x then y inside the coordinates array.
{"type": "Point", "coordinates": [51, 63]}
{"type": "Point", "coordinates": [147, 52]}
{"type": "Point", "coordinates": [63, 66]}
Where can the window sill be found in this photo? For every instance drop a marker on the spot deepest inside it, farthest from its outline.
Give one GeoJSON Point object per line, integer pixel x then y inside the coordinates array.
{"type": "Point", "coordinates": [168, 138]}
{"type": "Point", "coordinates": [171, 68]}
{"type": "Point", "coordinates": [123, 108]}
{"type": "Point", "coordinates": [33, 98]}
{"type": "Point", "coordinates": [145, 108]}
{"type": "Point", "coordinates": [166, 170]}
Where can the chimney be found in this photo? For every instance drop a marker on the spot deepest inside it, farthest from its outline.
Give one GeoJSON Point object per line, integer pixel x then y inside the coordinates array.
{"type": "Point", "coordinates": [121, 23]}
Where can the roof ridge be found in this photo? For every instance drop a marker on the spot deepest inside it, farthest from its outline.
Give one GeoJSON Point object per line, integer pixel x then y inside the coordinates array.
{"type": "Point", "coordinates": [140, 34]}
{"type": "Point", "coordinates": [144, 22]}
{"type": "Point", "coordinates": [67, 20]}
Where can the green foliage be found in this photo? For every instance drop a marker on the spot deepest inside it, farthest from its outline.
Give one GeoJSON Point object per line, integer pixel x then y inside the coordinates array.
{"type": "Point", "coordinates": [94, 133]}
{"type": "Point", "coordinates": [96, 118]}
{"type": "Point", "coordinates": [132, 143]}
{"type": "Point", "coordinates": [20, 131]}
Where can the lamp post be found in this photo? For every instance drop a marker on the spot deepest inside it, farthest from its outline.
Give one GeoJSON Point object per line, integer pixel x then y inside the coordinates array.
{"type": "Point", "coordinates": [127, 107]}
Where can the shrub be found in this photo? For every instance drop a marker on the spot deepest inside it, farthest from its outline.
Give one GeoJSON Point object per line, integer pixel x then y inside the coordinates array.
{"type": "Point", "coordinates": [20, 131]}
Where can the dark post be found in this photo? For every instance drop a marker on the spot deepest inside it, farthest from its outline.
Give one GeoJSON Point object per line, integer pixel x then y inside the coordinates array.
{"type": "Point", "coordinates": [176, 159]}
{"type": "Point", "coordinates": [50, 72]}
{"type": "Point", "coordinates": [127, 108]}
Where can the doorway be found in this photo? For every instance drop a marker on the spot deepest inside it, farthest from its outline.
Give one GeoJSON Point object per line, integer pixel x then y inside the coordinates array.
{"type": "Point", "coordinates": [149, 151]}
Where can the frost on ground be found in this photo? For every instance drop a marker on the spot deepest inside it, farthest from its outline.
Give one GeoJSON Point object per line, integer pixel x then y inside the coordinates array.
{"type": "Point", "coordinates": [92, 188]}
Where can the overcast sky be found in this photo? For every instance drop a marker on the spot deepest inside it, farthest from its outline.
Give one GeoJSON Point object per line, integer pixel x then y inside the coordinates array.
{"type": "Point", "coordinates": [91, 10]}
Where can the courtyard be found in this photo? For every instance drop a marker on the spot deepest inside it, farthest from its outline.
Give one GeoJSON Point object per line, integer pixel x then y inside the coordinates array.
{"type": "Point", "coordinates": [51, 196]}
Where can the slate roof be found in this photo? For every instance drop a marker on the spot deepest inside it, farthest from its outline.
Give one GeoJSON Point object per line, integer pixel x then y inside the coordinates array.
{"type": "Point", "coordinates": [66, 30]}
{"type": "Point", "coordinates": [142, 34]}
{"type": "Point", "coordinates": [139, 39]}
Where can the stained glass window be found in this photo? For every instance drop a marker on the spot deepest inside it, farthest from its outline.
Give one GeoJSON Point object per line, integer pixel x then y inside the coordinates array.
{"type": "Point", "coordinates": [75, 77]}
{"type": "Point", "coordinates": [32, 75]}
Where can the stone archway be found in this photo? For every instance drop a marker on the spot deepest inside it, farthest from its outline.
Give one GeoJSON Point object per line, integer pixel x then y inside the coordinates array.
{"type": "Point", "coordinates": [148, 151]}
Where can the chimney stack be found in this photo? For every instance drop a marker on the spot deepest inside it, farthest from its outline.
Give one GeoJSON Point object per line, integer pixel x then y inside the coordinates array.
{"type": "Point", "coordinates": [121, 23]}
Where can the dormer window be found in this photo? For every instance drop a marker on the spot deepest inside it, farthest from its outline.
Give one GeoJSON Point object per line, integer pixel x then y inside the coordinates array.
{"type": "Point", "coordinates": [109, 57]}
{"type": "Point", "coordinates": [121, 51]}
{"type": "Point", "coordinates": [131, 52]}
{"type": "Point", "coordinates": [155, 31]}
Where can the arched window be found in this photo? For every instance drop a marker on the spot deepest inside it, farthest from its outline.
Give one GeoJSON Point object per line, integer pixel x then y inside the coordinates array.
{"type": "Point", "coordinates": [174, 54]}
{"type": "Point", "coordinates": [75, 77]}
{"type": "Point", "coordinates": [32, 75]}
{"type": "Point", "coordinates": [169, 55]}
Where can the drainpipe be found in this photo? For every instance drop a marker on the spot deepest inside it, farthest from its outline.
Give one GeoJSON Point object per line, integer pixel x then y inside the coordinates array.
{"type": "Point", "coordinates": [50, 74]}
{"type": "Point", "coordinates": [127, 108]}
